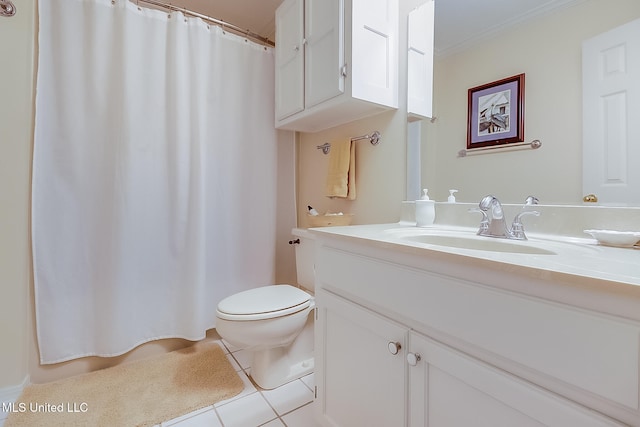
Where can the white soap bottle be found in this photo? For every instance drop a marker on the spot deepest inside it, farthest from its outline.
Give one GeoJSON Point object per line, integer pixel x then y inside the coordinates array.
{"type": "Point", "coordinates": [425, 210]}
{"type": "Point", "coordinates": [452, 197]}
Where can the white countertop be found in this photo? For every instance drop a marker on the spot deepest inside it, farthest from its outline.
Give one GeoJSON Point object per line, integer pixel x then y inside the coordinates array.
{"type": "Point", "coordinates": [572, 258]}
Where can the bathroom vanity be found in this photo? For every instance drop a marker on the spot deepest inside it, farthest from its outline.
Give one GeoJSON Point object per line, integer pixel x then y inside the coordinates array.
{"type": "Point", "coordinates": [440, 327]}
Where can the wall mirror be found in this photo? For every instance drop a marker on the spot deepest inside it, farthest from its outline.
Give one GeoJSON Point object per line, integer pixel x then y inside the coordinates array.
{"type": "Point", "coordinates": [546, 46]}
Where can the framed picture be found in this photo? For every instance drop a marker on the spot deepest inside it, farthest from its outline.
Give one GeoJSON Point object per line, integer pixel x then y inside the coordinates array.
{"type": "Point", "coordinates": [496, 113]}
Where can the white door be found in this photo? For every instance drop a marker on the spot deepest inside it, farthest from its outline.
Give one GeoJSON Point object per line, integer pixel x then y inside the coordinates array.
{"type": "Point", "coordinates": [611, 112]}
{"type": "Point", "coordinates": [289, 58]}
{"type": "Point", "coordinates": [360, 382]}
{"type": "Point", "coordinates": [324, 50]}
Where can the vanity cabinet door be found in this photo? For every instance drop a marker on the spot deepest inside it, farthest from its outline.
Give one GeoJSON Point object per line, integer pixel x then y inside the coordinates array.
{"type": "Point", "coordinates": [360, 381]}
{"type": "Point", "coordinates": [448, 388]}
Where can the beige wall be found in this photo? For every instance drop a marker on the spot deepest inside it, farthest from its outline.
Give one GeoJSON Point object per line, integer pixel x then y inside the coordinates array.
{"type": "Point", "coordinates": [380, 169]}
{"type": "Point", "coordinates": [16, 118]}
{"type": "Point", "coordinates": [549, 51]}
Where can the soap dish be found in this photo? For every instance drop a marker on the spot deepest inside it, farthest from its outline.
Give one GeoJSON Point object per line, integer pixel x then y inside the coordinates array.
{"type": "Point", "coordinates": [621, 239]}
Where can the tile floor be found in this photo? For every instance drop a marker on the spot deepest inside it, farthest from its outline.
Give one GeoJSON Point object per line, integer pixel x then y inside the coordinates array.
{"type": "Point", "coordinates": [286, 406]}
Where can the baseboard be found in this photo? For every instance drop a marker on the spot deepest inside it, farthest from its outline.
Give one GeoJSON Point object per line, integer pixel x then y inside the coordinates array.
{"type": "Point", "coordinates": [11, 394]}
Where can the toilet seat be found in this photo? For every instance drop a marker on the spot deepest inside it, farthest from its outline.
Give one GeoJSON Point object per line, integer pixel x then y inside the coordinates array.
{"type": "Point", "coordinates": [265, 302]}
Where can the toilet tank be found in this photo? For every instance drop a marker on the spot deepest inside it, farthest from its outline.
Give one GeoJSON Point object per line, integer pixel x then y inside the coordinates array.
{"type": "Point", "coordinates": [305, 258]}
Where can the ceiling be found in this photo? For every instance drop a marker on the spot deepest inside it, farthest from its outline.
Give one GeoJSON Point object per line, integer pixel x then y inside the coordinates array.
{"type": "Point", "coordinates": [460, 24]}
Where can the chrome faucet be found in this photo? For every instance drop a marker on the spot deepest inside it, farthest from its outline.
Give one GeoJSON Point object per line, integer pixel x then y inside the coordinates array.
{"type": "Point", "coordinates": [493, 223]}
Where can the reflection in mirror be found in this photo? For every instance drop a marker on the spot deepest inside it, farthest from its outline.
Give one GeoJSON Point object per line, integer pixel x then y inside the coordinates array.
{"type": "Point", "coordinates": [548, 49]}
{"type": "Point", "coordinates": [611, 99]}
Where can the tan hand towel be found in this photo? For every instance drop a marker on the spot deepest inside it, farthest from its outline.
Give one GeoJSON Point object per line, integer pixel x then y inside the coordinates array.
{"type": "Point", "coordinates": [341, 176]}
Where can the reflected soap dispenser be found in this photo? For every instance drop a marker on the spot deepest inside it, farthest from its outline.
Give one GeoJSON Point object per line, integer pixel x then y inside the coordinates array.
{"type": "Point", "coordinates": [425, 210]}
{"type": "Point", "coordinates": [452, 197]}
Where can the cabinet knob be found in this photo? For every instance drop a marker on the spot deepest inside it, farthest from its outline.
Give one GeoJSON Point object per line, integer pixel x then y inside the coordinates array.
{"type": "Point", "coordinates": [413, 358]}
{"type": "Point", "coordinates": [394, 347]}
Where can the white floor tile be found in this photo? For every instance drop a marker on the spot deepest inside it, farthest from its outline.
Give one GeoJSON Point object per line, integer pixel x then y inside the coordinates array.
{"type": "Point", "coordinates": [184, 417]}
{"type": "Point", "coordinates": [243, 357]}
{"type": "Point", "coordinates": [288, 397]}
{"type": "Point", "coordinates": [309, 380]}
{"type": "Point", "coordinates": [274, 423]}
{"type": "Point", "coordinates": [250, 411]}
{"type": "Point", "coordinates": [230, 347]}
{"type": "Point", "coordinates": [233, 362]}
{"type": "Point", "coordinates": [302, 417]}
{"type": "Point", "coordinates": [203, 419]}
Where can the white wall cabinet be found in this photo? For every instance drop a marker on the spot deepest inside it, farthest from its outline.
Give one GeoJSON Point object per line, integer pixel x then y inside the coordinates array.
{"type": "Point", "coordinates": [336, 61]}
{"type": "Point", "coordinates": [469, 354]}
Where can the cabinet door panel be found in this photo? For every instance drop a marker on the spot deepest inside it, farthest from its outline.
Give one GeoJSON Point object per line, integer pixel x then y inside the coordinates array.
{"type": "Point", "coordinates": [324, 50]}
{"type": "Point", "coordinates": [451, 389]}
{"type": "Point", "coordinates": [375, 51]}
{"type": "Point", "coordinates": [360, 383]}
{"type": "Point", "coordinates": [289, 59]}
{"type": "Point", "coordinates": [420, 60]}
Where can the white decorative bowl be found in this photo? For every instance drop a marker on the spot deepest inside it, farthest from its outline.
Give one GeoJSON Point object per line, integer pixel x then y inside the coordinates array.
{"type": "Point", "coordinates": [622, 239]}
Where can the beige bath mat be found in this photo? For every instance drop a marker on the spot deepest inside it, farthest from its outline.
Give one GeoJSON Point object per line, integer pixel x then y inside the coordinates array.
{"type": "Point", "coordinates": [142, 393]}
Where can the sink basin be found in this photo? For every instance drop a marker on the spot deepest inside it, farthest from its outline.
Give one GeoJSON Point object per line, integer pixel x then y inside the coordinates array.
{"type": "Point", "coordinates": [480, 244]}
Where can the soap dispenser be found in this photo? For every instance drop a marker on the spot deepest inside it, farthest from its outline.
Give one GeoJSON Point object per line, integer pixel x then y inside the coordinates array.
{"type": "Point", "coordinates": [452, 197]}
{"type": "Point", "coordinates": [425, 210]}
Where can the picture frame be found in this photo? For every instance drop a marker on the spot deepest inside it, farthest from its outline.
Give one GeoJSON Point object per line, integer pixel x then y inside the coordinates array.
{"type": "Point", "coordinates": [496, 113]}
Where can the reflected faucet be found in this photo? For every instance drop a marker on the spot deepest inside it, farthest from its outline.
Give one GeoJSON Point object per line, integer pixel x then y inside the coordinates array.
{"type": "Point", "coordinates": [493, 223]}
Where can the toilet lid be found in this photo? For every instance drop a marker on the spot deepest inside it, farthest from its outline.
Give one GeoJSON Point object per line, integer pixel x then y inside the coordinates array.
{"type": "Point", "coordinates": [264, 302]}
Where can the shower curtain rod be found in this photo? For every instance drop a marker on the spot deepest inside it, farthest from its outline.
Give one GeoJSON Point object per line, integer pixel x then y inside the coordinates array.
{"type": "Point", "coordinates": [219, 22]}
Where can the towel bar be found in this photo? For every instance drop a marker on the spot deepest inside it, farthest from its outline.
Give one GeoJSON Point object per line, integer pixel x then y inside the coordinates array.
{"type": "Point", "coordinates": [374, 139]}
{"type": "Point", "coordinates": [534, 145]}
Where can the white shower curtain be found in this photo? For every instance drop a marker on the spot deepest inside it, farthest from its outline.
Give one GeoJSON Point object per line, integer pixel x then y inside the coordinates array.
{"type": "Point", "coordinates": [154, 175]}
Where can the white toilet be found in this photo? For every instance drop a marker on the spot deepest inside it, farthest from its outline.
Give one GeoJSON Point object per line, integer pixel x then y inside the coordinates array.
{"type": "Point", "coordinates": [275, 323]}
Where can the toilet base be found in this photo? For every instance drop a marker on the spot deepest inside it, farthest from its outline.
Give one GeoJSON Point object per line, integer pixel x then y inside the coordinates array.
{"type": "Point", "coordinates": [274, 367]}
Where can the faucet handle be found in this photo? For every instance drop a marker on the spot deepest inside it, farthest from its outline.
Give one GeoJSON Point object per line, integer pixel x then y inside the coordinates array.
{"type": "Point", "coordinates": [484, 223]}
{"type": "Point", "coordinates": [517, 229]}
{"type": "Point", "coordinates": [517, 219]}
